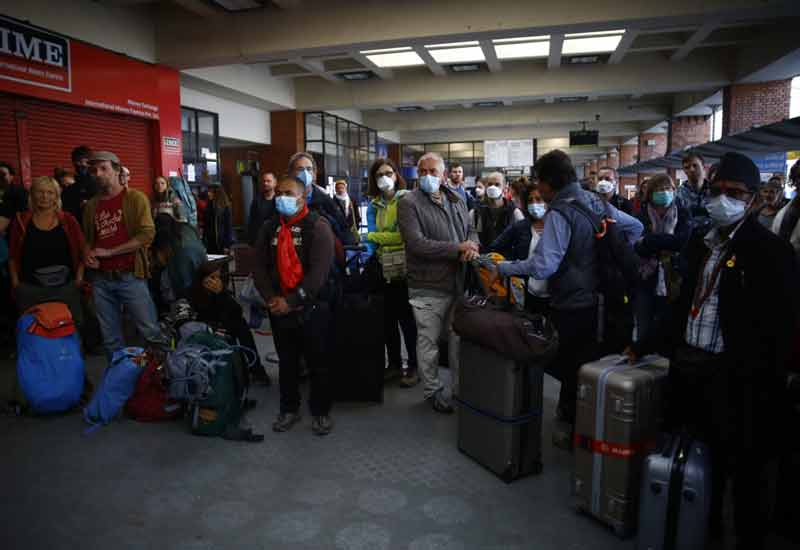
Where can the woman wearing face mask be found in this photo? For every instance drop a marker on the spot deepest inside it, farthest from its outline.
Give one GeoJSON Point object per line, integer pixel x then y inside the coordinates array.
{"type": "Point", "coordinates": [495, 213]}
{"type": "Point", "coordinates": [480, 191]}
{"type": "Point", "coordinates": [666, 231]}
{"type": "Point", "coordinates": [349, 210]}
{"type": "Point", "coordinates": [386, 188]}
{"type": "Point", "coordinates": [519, 241]}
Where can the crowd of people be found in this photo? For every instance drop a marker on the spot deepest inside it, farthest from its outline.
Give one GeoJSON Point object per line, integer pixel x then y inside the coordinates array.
{"type": "Point", "coordinates": [712, 252]}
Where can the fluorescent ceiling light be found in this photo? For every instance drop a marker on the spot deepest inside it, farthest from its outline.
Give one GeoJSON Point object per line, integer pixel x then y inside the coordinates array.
{"type": "Point", "coordinates": [458, 55]}
{"type": "Point", "coordinates": [521, 39]}
{"type": "Point", "coordinates": [387, 50]}
{"type": "Point", "coordinates": [522, 50]}
{"type": "Point", "coordinates": [595, 44]}
{"type": "Point", "coordinates": [598, 33]}
{"type": "Point", "coordinates": [398, 59]}
{"type": "Point", "coordinates": [453, 44]}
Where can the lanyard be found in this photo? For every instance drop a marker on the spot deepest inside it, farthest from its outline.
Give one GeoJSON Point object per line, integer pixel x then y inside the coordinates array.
{"type": "Point", "coordinates": [702, 294]}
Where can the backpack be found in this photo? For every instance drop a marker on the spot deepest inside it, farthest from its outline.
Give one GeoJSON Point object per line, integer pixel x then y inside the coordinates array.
{"type": "Point", "coordinates": [219, 407]}
{"type": "Point", "coordinates": [150, 401]}
{"type": "Point", "coordinates": [118, 384]}
{"type": "Point", "coordinates": [181, 188]}
{"type": "Point", "coordinates": [50, 369]}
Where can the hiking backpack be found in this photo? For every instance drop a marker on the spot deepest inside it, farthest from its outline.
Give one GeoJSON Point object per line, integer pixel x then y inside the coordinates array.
{"type": "Point", "coordinates": [181, 188]}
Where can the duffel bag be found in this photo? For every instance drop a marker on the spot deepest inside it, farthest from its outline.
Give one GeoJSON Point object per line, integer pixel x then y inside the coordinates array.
{"type": "Point", "coordinates": [525, 337]}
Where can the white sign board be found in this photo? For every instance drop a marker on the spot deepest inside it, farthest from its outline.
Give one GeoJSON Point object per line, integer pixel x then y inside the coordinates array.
{"type": "Point", "coordinates": [508, 153]}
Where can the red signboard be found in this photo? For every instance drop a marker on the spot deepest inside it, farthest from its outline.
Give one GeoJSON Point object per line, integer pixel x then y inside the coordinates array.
{"type": "Point", "coordinates": [38, 63]}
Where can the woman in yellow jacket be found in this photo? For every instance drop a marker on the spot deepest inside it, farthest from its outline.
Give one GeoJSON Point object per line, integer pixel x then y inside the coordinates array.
{"type": "Point", "coordinates": [386, 188]}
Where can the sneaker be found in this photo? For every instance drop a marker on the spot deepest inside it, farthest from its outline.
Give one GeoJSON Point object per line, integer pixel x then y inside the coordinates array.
{"type": "Point", "coordinates": [322, 425]}
{"type": "Point", "coordinates": [285, 421]}
{"type": "Point", "coordinates": [409, 380]}
{"type": "Point", "coordinates": [440, 403]}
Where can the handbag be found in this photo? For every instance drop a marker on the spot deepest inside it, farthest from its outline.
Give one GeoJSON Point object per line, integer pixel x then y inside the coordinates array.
{"type": "Point", "coordinates": [494, 323]}
{"type": "Point", "coordinates": [52, 275]}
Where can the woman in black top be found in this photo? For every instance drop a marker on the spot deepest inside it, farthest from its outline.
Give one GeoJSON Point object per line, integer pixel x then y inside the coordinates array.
{"type": "Point", "coordinates": [218, 226]}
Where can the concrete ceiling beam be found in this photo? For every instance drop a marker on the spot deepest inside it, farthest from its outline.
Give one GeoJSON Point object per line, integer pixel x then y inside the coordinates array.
{"type": "Point", "coordinates": [640, 74]}
{"type": "Point", "coordinates": [695, 40]}
{"type": "Point", "coordinates": [556, 47]}
{"type": "Point", "coordinates": [623, 46]}
{"type": "Point", "coordinates": [430, 62]}
{"type": "Point", "coordinates": [491, 56]}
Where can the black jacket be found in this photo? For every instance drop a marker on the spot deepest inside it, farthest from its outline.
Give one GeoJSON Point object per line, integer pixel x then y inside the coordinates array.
{"type": "Point", "coordinates": [758, 302]}
{"type": "Point", "coordinates": [621, 203]}
{"type": "Point", "coordinates": [652, 244]}
{"type": "Point", "coordinates": [515, 242]}
{"type": "Point", "coordinates": [325, 206]}
{"type": "Point", "coordinates": [261, 210]}
{"type": "Point", "coordinates": [76, 195]}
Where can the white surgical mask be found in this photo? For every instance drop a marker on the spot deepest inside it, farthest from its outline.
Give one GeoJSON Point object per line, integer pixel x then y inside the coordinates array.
{"type": "Point", "coordinates": [429, 184]}
{"type": "Point", "coordinates": [493, 192]}
{"type": "Point", "coordinates": [605, 186]}
{"type": "Point", "coordinates": [385, 183]}
{"type": "Point", "coordinates": [725, 211]}
{"type": "Point", "coordinates": [342, 196]}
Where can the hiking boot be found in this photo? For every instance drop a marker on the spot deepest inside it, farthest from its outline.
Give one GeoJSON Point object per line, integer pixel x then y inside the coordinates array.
{"type": "Point", "coordinates": [440, 403]}
{"type": "Point", "coordinates": [322, 425]}
{"type": "Point", "coordinates": [285, 421]}
{"type": "Point", "coordinates": [409, 380]}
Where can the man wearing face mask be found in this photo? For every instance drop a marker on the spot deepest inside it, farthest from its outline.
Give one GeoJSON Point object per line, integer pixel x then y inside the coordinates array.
{"type": "Point", "coordinates": [728, 358]}
{"type": "Point", "coordinates": [303, 167]}
{"type": "Point", "coordinates": [74, 197]}
{"type": "Point", "coordinates": [439, 240]}
{"type": "Point", "coordinates": [566, 256]}
{"type": "Point", "coordinates": [494, 214]}
{"type": "Point", "coordinates": [607, 187]}
{"type": "Point", "coordinates": [293, 273]}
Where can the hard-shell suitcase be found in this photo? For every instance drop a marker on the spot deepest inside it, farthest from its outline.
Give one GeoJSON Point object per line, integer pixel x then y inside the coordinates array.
{"type": "Point", "coordinates": [499, 412]}
{"type": "Point", "coordinates": [619, 409]}
{"type": "Point", "coordinates": [675, 496]}
{"type": "Point", "coordinates": [360, 358]}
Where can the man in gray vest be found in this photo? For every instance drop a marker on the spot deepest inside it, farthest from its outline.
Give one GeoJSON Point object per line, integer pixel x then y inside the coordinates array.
{"type": "Point", "coordinates": [439, 239]}
{"type": "Point", "coordinates": [566, 256]}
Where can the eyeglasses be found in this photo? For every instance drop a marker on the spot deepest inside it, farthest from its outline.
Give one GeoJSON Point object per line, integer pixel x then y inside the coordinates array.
{"type": "Point", "coordinates": [730, 192]}
{"type": "Point", "coordinates": [388, 174]}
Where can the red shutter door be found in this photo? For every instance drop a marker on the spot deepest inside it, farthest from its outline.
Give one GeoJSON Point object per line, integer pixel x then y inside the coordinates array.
{"type": "Point", "coordinates": [55, 129]}
{"type": "Point", "coordinates": [9, 146]}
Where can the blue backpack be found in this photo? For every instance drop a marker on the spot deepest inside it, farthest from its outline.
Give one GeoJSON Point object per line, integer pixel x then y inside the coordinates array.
{"type": "Point", "coordinates": [118, 384]}
{"type": "Point", "coordinates": [50, 368]}
{"type": "Point", "coordinates": [181, 189]}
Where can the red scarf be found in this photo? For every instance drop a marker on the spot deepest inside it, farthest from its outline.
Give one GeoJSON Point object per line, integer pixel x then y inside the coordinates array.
{"type": "Point", "coordinates": [290, 268]}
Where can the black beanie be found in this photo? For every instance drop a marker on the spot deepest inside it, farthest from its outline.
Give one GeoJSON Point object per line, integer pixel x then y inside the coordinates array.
{"type": "Point", "coordinates": [738, 167]}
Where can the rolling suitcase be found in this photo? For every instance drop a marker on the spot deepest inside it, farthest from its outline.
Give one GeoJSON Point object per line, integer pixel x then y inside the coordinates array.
{"type": "Point", "coordinates": [360, 356]}
{"type": "Point", "coordinates": [499, 412]}
{"type": "Point", "coordinates": [675, 496]}
{"type": "Point", "coordinates": [619, 409]}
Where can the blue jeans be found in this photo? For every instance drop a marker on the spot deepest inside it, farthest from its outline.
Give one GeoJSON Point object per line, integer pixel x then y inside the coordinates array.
{"type": "Point", "coordinates": [110, 295]}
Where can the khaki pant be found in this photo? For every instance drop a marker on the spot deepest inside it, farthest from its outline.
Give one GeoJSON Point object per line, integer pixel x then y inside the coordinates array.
{"type": "Point", "coordinates": [433, 312]}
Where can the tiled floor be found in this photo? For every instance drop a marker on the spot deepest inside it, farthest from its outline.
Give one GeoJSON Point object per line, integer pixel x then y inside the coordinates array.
{"type": "Point", "coordinates": [389, 477]}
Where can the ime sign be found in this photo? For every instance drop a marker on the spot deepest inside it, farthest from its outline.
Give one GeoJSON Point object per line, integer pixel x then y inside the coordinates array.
{"type": "Point", "coordinates": [32, 56]}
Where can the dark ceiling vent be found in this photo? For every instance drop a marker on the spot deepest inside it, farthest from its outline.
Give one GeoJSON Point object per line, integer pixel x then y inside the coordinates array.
{"type": "Point", "coordinates": [356, 75]}
{"type": "Point", "coordinates": [466, 67]}
{"type": "Point", "coordinates": [572, 99]}
{"type": "Point", "coordinates": [409, 108]}
{"type": "Point", "coordinates": [487, 103]}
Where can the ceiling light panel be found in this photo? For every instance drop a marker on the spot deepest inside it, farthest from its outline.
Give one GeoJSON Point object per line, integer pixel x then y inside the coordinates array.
{"type": "Point", "coordinates": [522, 50]}
{"type": "Point", "coordinates": [453, 44]}
{"type": "Point", "coordinates": [397, 59]}
{"type": "Point", "coordinates": [522, 39]}
{"type": "Point", "coordinates": [458, 55]}
{"type": "Point", "coordinates": [388, 50]}
{"type": "Point", "coordinates": [598, 33]}
{"type": "Point", "coordinates": [592, 44]}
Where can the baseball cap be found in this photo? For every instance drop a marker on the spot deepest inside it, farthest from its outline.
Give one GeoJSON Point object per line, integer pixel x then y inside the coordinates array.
{"type": "Point", "coordinates": [98, 156]}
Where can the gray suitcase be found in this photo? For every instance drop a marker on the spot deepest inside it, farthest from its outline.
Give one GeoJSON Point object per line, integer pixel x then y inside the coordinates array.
{"type": "Point", "coordinates": [675, 497]}
{"type": "Point", "coordinates": [499, 412]}
{"type": "Point", "coordinates": [619, 409]}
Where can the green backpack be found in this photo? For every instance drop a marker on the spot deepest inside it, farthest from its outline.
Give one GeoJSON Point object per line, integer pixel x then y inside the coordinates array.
{"type": "Point", "coordinates": [221, 412]}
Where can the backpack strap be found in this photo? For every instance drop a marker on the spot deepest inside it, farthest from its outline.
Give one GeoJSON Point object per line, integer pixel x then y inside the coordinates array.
{"type": "Point", "coordinates": [598, 223]}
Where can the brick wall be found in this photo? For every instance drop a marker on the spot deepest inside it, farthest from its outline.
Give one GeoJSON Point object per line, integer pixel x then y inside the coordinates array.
{"type": "Point", "coordinates": [748, 105]}
{"type": "Point", "coordinates": [628, 154]}
{"type": "Point", "coordinates": [687, 131]}
{"type": "Point", "coordinates": [647, 152]}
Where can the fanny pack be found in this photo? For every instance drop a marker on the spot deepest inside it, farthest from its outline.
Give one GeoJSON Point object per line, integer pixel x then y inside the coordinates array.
{"type": "Point", "coordinates": [52, 275]}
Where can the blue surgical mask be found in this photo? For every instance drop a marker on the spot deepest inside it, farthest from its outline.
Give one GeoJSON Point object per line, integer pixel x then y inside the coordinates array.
{"type": "Point", "coordinates": [663, 198]}
{"type": "Point", "coordinates": [537, 210]}
{"type": "Point", "coordinates": [286, 206]}
{"type": "Point", "coordinates": [306, 177]}
{"type": "Point", "coordinates": [429, 184]}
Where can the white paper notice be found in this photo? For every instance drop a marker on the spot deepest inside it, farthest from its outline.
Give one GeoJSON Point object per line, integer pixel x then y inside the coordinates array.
{"type": "Point", "coordinates": [495, 153]}
{"type": "Point", "coordinates": [190, 175]}
{"type": "Point", "coordinates": [173, 174]}
{"type": "Point", "coordinates": [520, 152]}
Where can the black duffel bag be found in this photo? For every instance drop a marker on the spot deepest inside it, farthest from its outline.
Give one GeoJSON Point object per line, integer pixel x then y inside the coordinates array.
{"type": "Point", "coordinates": [496, 324]}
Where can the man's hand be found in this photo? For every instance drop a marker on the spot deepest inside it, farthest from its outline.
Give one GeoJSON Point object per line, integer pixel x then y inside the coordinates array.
{"type": "Point", "coordinates": [278, 305]}
{"type": "Point", "coordinates": [91, 260]}
{"type": "Point", "coordinates": [101, 253]}
{"type": "Point", "coordinates": [468, 256]}
{"type": "Point", "coordinates": [468, 246]}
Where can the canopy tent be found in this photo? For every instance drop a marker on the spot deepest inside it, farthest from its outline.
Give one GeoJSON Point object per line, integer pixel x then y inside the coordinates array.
{"type": "Point", "coordinates": [773, 138]}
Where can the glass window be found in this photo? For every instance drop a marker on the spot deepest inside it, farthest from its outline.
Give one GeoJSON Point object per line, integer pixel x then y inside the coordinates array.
{"type": "Point", "coordinates": [200, 134]}
{"type": "Point", "coordinates": [330, 128]}
{"type": "Point", "coordinates": [313, 127]}
{"type": "Point", "coordinates": [344, 132]}
{"type": "Point", "coordinates": [314, 146]}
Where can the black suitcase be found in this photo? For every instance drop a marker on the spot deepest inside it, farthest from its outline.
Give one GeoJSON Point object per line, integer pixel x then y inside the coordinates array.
{"type": "Point", "coordinates": [499, 412]}
{"type": "Point", "coordinates": [359, 357]}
